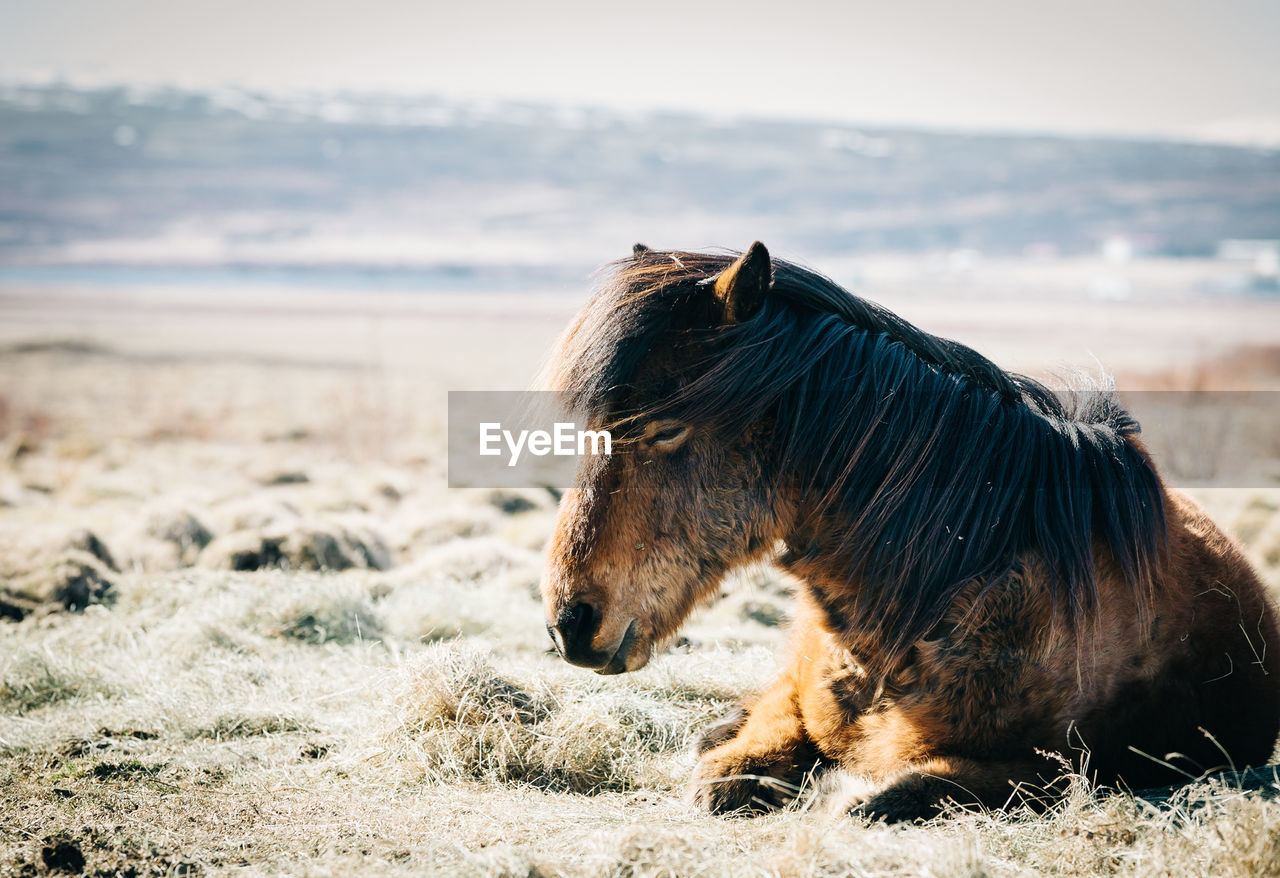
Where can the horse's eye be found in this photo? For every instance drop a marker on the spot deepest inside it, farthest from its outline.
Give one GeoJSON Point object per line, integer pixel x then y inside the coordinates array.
{"type": "Point", "coordinates": [665, 435]}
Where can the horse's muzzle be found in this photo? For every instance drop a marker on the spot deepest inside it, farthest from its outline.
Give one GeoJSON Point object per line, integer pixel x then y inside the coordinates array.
{"type": "Point", "coordinates": [573, 631]}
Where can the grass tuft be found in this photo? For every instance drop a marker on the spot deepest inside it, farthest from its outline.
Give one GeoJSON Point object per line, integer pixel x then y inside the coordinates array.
{"type": "Point", "coordinates": [323, 611]}
{"type": "Point", "coordinates": [458, 718]}
{"type": "Point", "coordinates": [238, 725]}
{"type": "Point", "coordinates": [37, 677]}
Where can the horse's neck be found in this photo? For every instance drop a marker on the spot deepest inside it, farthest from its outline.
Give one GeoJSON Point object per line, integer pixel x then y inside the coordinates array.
{"type": "Point", "coordinates": [830, 590]}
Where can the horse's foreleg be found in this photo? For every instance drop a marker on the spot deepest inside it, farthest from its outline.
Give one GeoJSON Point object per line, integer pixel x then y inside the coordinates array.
{"type": "Point", "coordinates": [722, 730]}
{"type": "Point", "coordinates": [922, 791]}
{"type": "Point", "coordinates": [758, 762]}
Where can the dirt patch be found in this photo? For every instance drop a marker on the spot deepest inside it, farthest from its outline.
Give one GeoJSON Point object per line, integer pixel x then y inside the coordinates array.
{"type": "Point", "coordinates": [180, 528]}
{"type": "Point", "coordinates": [284, 477]}
{"type": "Point", "coordinates": [70, 581]}
{"type": "Point", "coordinates": [62, 854]}
{"type": "Point", "coordinates": [514, 502]}
{"type": "Point", "coordinates": [94, 853]}
{"type": "Point", "coordinates": [75, 584]}
{"type": "Point", "coordinates": [105, 740]}
{"type": "Point", "coordinates": [313, 750]}
{"type": "Point", "coordinates": [306, 547]}
{"type": "Point", "coordinates": [69, 572]}
{"type": "Point", "coordinates": [85, 540]}
{"type": "Point", "coordinates": [125, 770]}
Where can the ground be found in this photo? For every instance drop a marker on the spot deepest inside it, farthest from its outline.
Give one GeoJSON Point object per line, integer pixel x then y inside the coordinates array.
{"type": "Point", "coordinates": [247, 627]}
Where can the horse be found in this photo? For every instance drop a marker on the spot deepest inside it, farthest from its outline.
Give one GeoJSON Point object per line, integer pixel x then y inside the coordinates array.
{"type": "Point", "coordinates": [993, 580]}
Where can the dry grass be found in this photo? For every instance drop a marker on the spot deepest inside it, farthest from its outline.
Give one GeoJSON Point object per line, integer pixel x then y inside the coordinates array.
{"type": "Point", "coordinates": [374, 694]}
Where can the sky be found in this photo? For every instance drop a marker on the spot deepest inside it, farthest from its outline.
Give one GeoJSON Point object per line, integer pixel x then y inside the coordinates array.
{"type": "Point", "coordinates": [1121, 66]}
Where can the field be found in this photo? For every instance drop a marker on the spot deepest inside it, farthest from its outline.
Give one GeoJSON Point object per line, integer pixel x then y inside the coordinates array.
{"type": "Point", "coordinates": [247, 627]}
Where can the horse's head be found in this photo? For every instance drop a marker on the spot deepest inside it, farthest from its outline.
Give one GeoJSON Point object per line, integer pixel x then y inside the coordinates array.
{"type": "Point", "coordinates": [647, 532]}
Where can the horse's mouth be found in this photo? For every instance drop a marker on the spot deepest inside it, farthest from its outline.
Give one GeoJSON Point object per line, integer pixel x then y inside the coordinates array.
{"type": "Point", "coordinates": [604, 661]}
{"type": "Point", "coordinates": [618, 664]}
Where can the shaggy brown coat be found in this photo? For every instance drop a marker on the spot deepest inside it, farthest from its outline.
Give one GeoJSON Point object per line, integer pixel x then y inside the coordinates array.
{"type": "Point", "coordinates": [955, 683]}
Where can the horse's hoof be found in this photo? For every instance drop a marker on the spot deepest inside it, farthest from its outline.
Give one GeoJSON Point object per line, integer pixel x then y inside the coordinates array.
{"type": "Point", "coordinates": [745, 797]}
{"type": "Point", "coordinates": [734, 788]}
{"type": "Point", "coordinates": [897, 804]}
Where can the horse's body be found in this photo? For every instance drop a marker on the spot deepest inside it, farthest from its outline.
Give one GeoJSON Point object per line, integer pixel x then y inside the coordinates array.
{"type": "Point", "coordinates": [989, 577]}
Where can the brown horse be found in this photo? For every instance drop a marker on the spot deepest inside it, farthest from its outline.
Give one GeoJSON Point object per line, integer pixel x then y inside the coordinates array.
{"type": "Point", "coordinates": [991, 573]}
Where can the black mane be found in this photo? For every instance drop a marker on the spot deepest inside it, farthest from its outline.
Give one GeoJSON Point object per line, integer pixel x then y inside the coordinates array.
{"type": "Point", "coordinates": [948, 467]}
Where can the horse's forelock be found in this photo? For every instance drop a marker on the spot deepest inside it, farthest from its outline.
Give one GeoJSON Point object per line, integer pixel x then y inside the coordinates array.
{"type": "Point", "coordinates": [599, 353]}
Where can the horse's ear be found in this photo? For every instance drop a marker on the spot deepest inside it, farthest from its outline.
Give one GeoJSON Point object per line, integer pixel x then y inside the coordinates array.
{"type": "Point", "coordinates": [741, 287]}
{"type": "Point", "coordinates": [638, 250]}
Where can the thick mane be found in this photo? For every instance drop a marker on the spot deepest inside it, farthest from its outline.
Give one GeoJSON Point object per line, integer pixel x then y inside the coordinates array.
{"type": "Point", "coordinates": [946, 467]}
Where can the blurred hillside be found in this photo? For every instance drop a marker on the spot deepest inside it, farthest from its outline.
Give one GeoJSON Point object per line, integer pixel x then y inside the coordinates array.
{"type": "Point", "coordinates": [503, 193]}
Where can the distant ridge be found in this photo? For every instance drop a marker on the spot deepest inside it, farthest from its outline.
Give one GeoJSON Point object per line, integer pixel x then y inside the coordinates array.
{"type": "Point", "coordinates": [129, 176]}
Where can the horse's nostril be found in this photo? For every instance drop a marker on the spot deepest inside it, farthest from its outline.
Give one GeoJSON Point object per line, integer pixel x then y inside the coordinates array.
{"type": "Point", "coordinates": [578, 622]}
{"type": "Point", "coordinates": [576, 625]}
